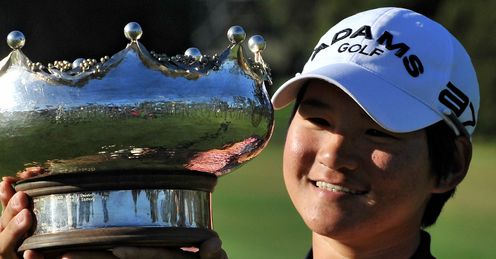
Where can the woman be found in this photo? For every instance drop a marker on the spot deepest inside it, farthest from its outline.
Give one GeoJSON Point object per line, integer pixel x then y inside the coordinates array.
{"type": "Point", "coordinates": [380, 137]}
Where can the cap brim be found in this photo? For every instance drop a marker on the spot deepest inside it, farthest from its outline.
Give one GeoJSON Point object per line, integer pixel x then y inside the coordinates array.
{"type": "Point", "coordinates": [390, 107]}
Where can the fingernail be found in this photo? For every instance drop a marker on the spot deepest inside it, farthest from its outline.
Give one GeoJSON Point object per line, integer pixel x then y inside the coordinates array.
{"type": "Point", "coordinates": [19, 218]}
{"type": "Point", "coordinates": [15, 201]}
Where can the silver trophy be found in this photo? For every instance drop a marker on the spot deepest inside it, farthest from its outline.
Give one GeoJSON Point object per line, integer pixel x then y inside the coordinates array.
{"type": "Point", "coordinates": [131, 145]}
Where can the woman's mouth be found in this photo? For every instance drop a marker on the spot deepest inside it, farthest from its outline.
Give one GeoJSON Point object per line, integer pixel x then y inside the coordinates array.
{"type": "Point", "coordinates": [336, 188]}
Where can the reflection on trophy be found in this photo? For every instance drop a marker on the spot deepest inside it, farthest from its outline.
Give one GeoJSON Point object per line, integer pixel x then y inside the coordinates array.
{"type": "Point", "coordinates": [130, 145]}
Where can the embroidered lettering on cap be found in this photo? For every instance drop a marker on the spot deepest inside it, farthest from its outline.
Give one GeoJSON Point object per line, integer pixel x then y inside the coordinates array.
{"type": "Point", "coordinates": [457, 101]}
{"type": "Point", "coordinates": [318, 49]}
{"type": "Point", "coordinates": [360, 49]}
{"type": "Point", "coordinates": [412, 63]}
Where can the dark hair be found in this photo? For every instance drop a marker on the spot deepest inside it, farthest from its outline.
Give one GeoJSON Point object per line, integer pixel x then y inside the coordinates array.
{"type": "Point", "coordinates": [442, 148]}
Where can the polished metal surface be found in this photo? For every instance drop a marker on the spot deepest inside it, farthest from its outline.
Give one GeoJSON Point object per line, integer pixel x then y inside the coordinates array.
{"type": "Point", "coordinates": [194, 53]}
{"type": "Point", "coordinates": [133, 31]}
{"type": "Point", "coordinates": [236, 34]}
{"type": "Point", "coordinates": [135, 109]}
{"type": "Point", "coordinates": [132, 144]}
{"type": "Point", "coordinates": [16, 40]}
{"type": "Point", "coordinates": [122, 208]}
{"type": "Point", "coordinates": [256, 43]}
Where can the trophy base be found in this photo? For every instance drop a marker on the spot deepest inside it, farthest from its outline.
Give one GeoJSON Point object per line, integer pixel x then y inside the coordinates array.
{"type": "Point", "coordinates": [101, 210]}
{"type": "Point", "coordinates": [107, 238]}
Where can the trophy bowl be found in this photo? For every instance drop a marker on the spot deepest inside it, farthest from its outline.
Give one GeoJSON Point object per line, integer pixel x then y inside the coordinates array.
{"type": "Point", "coordinates": [131, 145]}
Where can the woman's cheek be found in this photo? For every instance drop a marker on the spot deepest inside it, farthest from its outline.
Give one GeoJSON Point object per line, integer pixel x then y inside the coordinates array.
{"type": "Point", "coordinates": [302, 147]}
{"type": "Point", "coordinates": [382, 160]}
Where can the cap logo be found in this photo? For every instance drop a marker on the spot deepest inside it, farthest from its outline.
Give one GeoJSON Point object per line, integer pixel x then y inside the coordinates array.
{"type": "Point", "coordinates": [412, 63]}
{"type": "Point", "coordinates": [318, 49]}
{"type": "Point", "coordinates": [453, 98]}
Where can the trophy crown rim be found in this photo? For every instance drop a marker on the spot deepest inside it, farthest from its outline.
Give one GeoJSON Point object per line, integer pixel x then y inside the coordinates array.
{"type": "Point", "coordinates": [191, 64]}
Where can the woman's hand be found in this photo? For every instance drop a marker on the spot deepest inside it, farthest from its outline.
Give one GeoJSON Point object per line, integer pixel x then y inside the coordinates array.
{"type": "Point", "coordinates": [16, 219]}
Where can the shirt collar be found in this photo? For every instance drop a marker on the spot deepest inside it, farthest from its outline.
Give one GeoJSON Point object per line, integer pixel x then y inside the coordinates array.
{"type": "Point", "coordinates": [423, 250]}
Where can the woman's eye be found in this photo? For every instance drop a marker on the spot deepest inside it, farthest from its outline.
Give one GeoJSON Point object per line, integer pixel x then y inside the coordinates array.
{"type": "Point", "coordinates": [378, 133]}
{"type": "Point", "coordinates": [319, 121]}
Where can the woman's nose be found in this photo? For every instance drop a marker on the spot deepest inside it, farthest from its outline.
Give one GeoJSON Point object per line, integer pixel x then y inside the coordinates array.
{"type": "Point", "coordinates": [338, 153]}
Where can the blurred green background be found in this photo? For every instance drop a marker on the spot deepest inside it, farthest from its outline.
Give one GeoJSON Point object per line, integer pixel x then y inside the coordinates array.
{"type": "Point", "coordinates": [252, 211]}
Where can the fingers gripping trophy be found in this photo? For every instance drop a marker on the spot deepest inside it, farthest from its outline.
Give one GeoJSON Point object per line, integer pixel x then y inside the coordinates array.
{"type": "Point", "coordinates": [130, 145]}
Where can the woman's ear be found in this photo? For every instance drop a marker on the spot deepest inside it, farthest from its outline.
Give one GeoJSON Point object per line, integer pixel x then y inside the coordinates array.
{"type": "Point", "coordinates": [462, 158]}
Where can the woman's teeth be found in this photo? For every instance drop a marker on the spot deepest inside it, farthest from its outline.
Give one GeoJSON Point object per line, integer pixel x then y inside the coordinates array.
{"type": "Point", "coordinates": [335, 188]}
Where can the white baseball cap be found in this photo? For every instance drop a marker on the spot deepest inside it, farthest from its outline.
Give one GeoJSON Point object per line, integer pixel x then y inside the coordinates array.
{"type": "Point", "coordinates": [404, 69]}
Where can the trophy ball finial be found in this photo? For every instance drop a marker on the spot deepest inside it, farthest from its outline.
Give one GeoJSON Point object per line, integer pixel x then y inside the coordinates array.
{"type": "Point", "coordinates": [77, 63]}
{"type": "Point", "coordinates": [256, 43]}
{"type": "Point", "coordinates": [133, 31]}
{"type": "Point", "coordinates": [236, 34]}
{"type": "Point", "coordinates": [194, 53]}
{"type": "Point", "coordinates": [16, 40]}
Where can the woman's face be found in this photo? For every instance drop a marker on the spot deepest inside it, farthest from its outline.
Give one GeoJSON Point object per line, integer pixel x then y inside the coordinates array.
{"type": "Point", "coordinates": [348, 177]}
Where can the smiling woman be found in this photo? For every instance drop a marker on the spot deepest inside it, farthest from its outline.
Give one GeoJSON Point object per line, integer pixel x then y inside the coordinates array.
{"type": "Point", "coordinates": [373, 151]}
{"type": "Point", "coordinates": [345, 174]}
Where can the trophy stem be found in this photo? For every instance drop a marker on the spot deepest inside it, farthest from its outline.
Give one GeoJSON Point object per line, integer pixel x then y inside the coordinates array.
{"type": "Point", "coordinates": [101, 210]}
